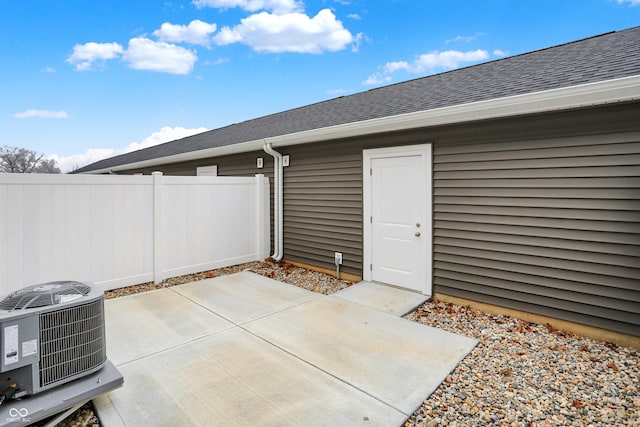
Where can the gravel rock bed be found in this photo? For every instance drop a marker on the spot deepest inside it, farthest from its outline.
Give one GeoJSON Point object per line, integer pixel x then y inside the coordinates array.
{"type": "Point", "coordinates": [282, 271]}
{"type": "Point", "coordinates": [524, 374]}
{"type": "Point", "coordinates": [519, 374]}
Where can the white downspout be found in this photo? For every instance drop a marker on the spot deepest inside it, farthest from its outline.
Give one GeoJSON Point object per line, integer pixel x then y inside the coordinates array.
{"type": "Point", "coordinates": [278, 190]}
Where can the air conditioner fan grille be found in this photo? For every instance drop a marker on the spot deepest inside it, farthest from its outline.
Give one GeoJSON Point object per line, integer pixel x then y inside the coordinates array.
{"type": "Point", "coordinates": [72, 341]}
{"type": "Point", "coordinates": [43, 295]}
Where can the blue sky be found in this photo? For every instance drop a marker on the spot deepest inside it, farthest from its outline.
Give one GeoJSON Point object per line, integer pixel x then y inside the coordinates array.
{"type": "Point", "coordinates": [83, 80]}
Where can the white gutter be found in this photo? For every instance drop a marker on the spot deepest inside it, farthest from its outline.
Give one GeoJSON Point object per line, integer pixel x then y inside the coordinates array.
{"type": "Point", "coordinates": [278, 196]}
{"type": "Point", "coordinates": [586, 95]}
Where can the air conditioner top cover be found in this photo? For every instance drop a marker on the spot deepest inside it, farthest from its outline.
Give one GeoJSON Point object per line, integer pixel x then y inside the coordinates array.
{"type": "Point", "coordinates": [44, 295]}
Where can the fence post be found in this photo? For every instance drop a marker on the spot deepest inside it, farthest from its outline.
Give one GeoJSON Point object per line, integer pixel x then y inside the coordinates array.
{"type": "Point", "coordinates": [260, 213]}
{"type": "Point", "coordinates": [158, 236]}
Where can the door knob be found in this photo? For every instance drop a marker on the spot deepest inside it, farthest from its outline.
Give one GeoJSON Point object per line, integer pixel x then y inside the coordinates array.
{"type": "Point", "coordinates": [417, 234]}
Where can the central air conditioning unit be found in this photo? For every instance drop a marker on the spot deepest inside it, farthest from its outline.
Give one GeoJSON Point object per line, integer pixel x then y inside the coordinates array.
{"type": "Point", "coordinates": [51, 333]}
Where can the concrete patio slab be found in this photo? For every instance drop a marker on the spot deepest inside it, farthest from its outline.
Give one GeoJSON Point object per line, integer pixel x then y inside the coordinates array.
{"type": "Point", "coordinates": [140, 325]}
{"type": "Point", "coordinates": [393, 359]}
{"type": "Point", "coordinates": [233, 378]}
{"type": "Point", "coordinates": [383, 297]}
{"type": "Point", "coordinates": [285, 356]}
{"type": "Point", "coordinates": [244, 296]}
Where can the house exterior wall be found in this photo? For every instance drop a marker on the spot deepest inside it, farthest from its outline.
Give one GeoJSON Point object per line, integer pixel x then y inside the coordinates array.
{"type": "Point", "coordinates": [547, 225]}
{"type": "Point", "coordinates": [543, 217]}
{"type": "Point", "coordinates": [537, 214]}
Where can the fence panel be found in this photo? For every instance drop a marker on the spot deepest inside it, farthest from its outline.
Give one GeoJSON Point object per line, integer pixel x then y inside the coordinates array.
{"type": "Point", "coordinates": [192, 204]}
{"type": "Point", "coordinates": [121, 230]}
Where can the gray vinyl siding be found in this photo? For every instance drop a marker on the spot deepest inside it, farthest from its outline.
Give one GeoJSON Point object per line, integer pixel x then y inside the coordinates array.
{"type": "Point", "coordinates": [550, 226]}
{"type": "Point", "coordinates": [323, 205]}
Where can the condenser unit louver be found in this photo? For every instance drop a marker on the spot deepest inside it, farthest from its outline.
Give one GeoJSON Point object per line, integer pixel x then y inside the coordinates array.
{"type": "Point", "coordinates": [51, 333]}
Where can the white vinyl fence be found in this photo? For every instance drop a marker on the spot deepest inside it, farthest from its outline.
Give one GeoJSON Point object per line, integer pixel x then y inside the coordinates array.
{"type": "Point", "coordinates": [116, 230]}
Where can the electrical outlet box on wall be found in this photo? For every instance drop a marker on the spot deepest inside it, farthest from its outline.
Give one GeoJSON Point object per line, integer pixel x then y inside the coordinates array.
{"type": "Point", "coordinates": [338, 258]}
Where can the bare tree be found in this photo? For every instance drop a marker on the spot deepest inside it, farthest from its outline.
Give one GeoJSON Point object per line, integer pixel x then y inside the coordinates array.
{"type": "Point", "coordinates": [47, 166]}
{"type": "Point", "coordinates": [21, 160]}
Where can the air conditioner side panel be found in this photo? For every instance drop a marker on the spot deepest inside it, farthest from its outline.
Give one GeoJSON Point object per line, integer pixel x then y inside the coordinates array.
{"type": "Point", "coordinates": [19, 351]}
{"type": "Point", "coordinates": [19, 342]}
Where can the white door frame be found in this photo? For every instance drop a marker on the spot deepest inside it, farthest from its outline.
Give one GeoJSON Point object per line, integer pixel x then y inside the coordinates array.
{"type": "Point", "coordinates": [424, 150]}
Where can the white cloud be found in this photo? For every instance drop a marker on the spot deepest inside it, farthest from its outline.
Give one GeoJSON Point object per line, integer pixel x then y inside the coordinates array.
{"type": "Point", "coordinates": [197, 32]}
{"type": "Point", "coordinates": [84, 55]}
{"type": "Point", "coordinates": [277, 6]}
{"type": "Point", "coordinates": [141, 54]}
{"type": "Point", "coordinates": [291, 32]}
{"type": "Point", "coordinates": [145, 54]}
{"type": "Point", "coordinates": [447, 60]}
{"type": "Point", "coordinates": [465, 39]}
{"type": "Point", "coordinates": [499, 52]}
{"type": "Point", "coordinates": [48, 70]}
{"type": "Point", "coordinates": [218, 61]}
{"type": "Point", "coordinates": [376, 79]}
{"type": "Point", "coordinates": [357, 41]}
{"type": "Point", "coordinates": [74, 161]}
{"type": "Point", "coordinates": [165, 134]}
{"type": "Point", "coordinates": [354, 16]}
{"type": "Point", "coordinates": [630, 2]}
{"type": "Point", "coordinates": [392, 67]}
{"type": "Point", "coordinates": [282, 26]}
{"type": "Point", "coordinates": [428, 62]}
{"type": "Point", "coordinates": [41, 114]}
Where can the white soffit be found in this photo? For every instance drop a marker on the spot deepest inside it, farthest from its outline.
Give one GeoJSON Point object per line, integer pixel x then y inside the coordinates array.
{"type": "Point", "coordinates": [586, 95]}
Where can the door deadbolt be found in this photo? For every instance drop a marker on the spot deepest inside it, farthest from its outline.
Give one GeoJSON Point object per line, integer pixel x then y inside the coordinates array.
{"type": "Point", "coordinates": [417, 234]}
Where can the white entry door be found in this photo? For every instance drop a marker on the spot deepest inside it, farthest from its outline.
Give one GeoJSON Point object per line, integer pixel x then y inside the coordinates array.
{"type": "Point", "coordinates": [397, 221]}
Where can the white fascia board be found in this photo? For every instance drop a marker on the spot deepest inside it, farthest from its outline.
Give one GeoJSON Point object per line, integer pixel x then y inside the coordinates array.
{"type": "Point", "coordinates": [242, 147]}
{"type": "Point", "coordinates": [586, 95]}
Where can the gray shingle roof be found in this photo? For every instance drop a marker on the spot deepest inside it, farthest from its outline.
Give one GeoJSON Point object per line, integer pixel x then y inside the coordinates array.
{"type": "Point", "coordinates": [604, 57]}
